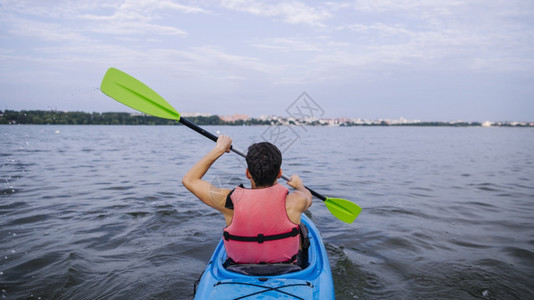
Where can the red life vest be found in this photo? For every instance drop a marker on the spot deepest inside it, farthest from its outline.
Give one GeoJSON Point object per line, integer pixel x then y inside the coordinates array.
{"type": "Point", "coordinates": [261, 231]}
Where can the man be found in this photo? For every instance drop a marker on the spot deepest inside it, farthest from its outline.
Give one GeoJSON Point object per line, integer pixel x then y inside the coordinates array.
{"type": "Point", "coordinates": [262, 222]}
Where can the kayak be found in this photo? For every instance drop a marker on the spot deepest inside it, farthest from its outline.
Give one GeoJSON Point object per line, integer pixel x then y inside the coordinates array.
{"type": "Point", "coordinates": [312, 282]}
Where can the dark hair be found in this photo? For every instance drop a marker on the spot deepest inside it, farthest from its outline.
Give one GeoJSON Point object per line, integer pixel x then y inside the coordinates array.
{"type": "Point", "coordinates": [263, 162]}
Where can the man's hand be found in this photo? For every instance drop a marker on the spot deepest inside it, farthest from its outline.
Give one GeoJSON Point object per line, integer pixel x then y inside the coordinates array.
{"type": "Point", "coordinates": [224, 143]}
{"type": "Point", "coordinates": [295, 182]}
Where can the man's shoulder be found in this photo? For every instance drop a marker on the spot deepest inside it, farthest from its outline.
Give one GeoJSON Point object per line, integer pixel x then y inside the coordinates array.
{"type": "Point", "coordinates": [297, 197]}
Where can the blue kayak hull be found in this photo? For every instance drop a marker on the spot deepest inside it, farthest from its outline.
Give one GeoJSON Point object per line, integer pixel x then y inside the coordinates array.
{"type": "Point", "coordinates": [314, 282]}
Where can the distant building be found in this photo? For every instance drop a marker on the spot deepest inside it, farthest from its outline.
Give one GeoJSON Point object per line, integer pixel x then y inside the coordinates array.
{"type": "Point", "coordinates": [235, 117]}
{"type": "Point", "coordinates": [195, 114]}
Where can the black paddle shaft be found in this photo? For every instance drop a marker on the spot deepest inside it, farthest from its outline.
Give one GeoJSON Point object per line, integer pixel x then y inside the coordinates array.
{"type": "Point", "coordinates": [207, 134]}
{"type": "Point", "coordinates": [198, 129]}
{"type": "Point", "coordinates": [214, 138]}
{"type": "Point", "coordinates": [311, 191]}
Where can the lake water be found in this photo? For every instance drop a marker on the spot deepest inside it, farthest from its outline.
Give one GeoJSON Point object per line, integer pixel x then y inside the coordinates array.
{"type": "Point", "coordinates": [99, 212]}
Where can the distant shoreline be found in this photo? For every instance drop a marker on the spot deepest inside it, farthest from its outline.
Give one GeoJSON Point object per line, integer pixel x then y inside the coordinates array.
{"type": "Point", "coordinates": [42, 117]}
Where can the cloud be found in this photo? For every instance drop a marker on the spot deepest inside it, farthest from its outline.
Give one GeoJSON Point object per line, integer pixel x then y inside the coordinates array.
{"type": "Point", "coordinates": [139, 17]}
{"type": "Point", "coordinates": [287, 45]}
{"type": "Point", "coordinates": [218, 59]}
{"type": "Point", "coordinates": [165, 4]}
{"type": "Point", "coordinates": [70, 20]}
{"type": "Point", "coordinates": [434, 6]}
{"type": "Point", "coordinates": [439, 34]}
{"type": "Point", "coordinates": [41, 30]}
{"type": "Point", "coordinates": [130, 25]}
{"type": "Point", "coordinates": [289, 12]}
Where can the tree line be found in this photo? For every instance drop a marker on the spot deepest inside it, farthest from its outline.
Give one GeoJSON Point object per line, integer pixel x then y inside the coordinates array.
{"type": "Point", "coordinates": [123, 118]}
{"type": "Point", "coordinates": [107, 118]}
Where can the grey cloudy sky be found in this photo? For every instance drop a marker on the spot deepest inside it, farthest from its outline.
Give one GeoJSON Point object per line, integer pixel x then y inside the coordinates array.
{"type": "Point", "coordinates": [426, 59]}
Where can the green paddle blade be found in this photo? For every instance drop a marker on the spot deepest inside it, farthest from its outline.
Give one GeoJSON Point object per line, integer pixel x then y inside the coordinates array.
{"type": "Point", "coordinates": [135, 94]}
{"type": "Point", "coordinates": [343, 209]}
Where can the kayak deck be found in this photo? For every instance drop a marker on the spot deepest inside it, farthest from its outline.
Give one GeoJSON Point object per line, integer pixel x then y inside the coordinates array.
{"type": "Point", "coordinates": [313, 282]}
{"type": "Point", "coordinates": [271, 288]}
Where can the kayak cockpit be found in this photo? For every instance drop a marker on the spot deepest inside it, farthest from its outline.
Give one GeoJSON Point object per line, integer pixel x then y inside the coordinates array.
{"type": "Point", "coordinates": [263, 269]}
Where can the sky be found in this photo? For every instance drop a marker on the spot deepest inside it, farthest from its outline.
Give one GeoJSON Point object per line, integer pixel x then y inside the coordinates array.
{"type": "Point", "coordinates": [431, 60]}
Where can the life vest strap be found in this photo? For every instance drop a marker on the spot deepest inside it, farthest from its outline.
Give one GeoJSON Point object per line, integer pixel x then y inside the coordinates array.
{"type": "Point", "coordinates": [260, 238]}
